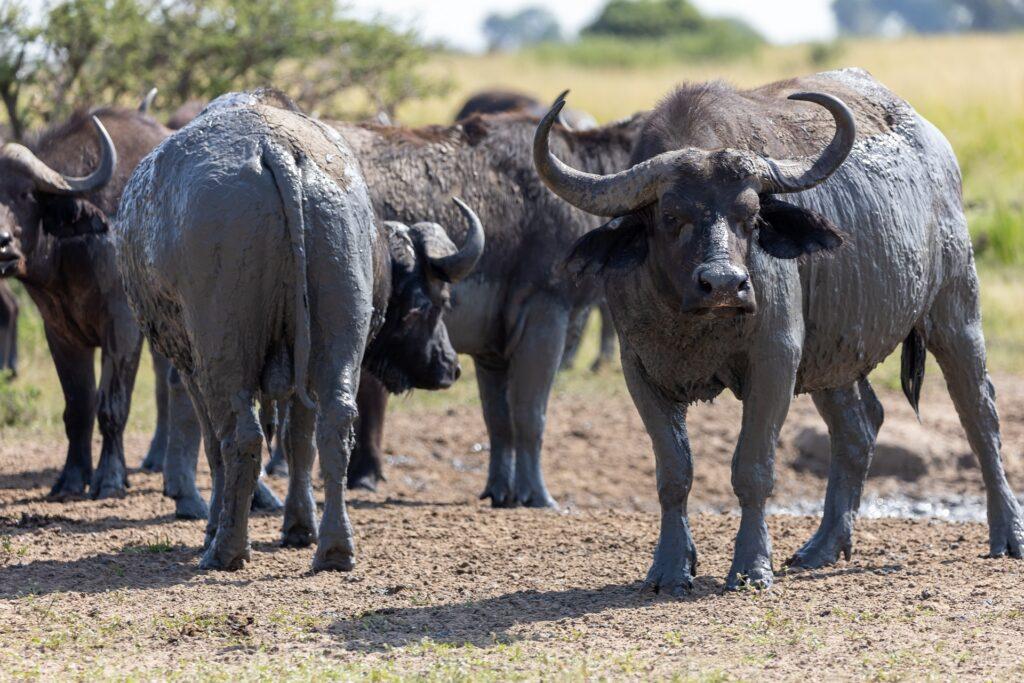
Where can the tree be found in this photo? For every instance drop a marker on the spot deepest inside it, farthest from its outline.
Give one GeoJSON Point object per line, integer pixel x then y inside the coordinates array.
{"type": "Point", "coordinates": [84, 52]}
{"type": "Point", "coordinates": [527, 27]}
{"type": "Point", "coordinates": [646, 19]}
{"type": "Point", "coordinates": [872, 17]}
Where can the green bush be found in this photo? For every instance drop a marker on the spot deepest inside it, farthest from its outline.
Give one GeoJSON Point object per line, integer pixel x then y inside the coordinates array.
{"type": "Point", "coordinates": [720, 39]}
{"type": "Point", "coordinates": [18, 402]}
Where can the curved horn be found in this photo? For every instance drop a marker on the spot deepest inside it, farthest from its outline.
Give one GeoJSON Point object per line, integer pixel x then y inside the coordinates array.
{"type": "Point", "coordinates": [49, 180]}
{"type": "Point", "coordinates": [607, 195]}
{"type": "Point", "coordinates": [147, 101]}
{"type": "Point", "coordinates": [795, 175]}
{"type": "Point", "coordinates": [460, 264]}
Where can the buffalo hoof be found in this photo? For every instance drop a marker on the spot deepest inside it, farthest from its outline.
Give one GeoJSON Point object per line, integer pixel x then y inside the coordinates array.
{"type": "Point", "coordinates": [298, 537]}
{"type": "Point", "coordinates": [333, 560]}
{"type": "Point", "coordinates": [822, 550]}
{"type": "Point", "coordinates": [109, 484]}
{"type": "Point", "coordinates": [367, 482]}
{"type": "Point", "coordinates": [217, 557]}
{"type": "Point", "coordinates": [501, 496]}
{"type": "Point", "coordinates": [537, 500]}
{"type": "Point", "coordinates": [277, 465]}
{"type": "Point", "coordinates": [756, 577]}
{"type": "Point", "coordinates": [191, 508]}
{"type": "Point", "coordinates": [1006, 536]}
{"type": "Point", "coordinates": [154, 460]}
{"type": "Point", "coordinates": [672, 573]}
{"type": "Point", "coordinates": [70, 485]}
{"type": "Point", "coordinates": [264, 500]}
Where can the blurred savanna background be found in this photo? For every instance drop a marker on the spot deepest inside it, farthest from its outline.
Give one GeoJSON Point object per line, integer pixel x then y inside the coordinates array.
{"type": "Point", "coordinates": [959, 62]}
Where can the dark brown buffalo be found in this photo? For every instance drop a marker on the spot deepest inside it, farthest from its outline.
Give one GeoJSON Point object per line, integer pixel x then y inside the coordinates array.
{"type": "Point", "coordinates": [57, 197]}
{"type": "Point", "coordinates": [185, 113]}
{"type": "Point", "coordinates": [503, 101]}
{"type": "Point", "coordinates": [514, 313]}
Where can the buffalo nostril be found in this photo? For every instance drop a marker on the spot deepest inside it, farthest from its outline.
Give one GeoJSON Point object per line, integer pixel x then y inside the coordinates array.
{"type": "Point", "coordinates": [458, 372]}
{"type": "Point", "coordinates": [744, 284]}
{"type": "Point", "coordinates": [705, 286]}
{"type": "Point", "coordinates": [5, 239]}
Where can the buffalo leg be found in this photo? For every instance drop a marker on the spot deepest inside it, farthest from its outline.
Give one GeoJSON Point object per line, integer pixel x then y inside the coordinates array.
{"type": "Point", "coordinates": [675, 557]}
{"type": "Point", "coordinates": [956, 339]}
{"type": "Point", "coordinates": [8, 330]}
{"type": "Point", "coordinates": [296, 437]}
{"type": "Point", "coordinates": [531, 374]}
{"type": "Point", "coordinates": [241, 447]}
{"type": "Point", "coordinates": [606, 354]}
{"type": "Point", "coordinates": [574, 336]}
{"type": "Point", "coordinates": [117, 379]}
{"type": "Point", "coordinates": [766, 402]}
{"type": "Point", "coordinates": [492, 381]}
{"type": "Point", "coordinates": [182, 451]}
{"type": "Point", "coordinates": [334, 435]}
{"type": "Point", "coordinates": [154, 460]}
{"type": "Point", "coordinates": [78, 381]}
{"type": "Point", "coordinates": [278, 462]}
{"type": "Point", "coordinates": [854, 416]}
{"type": "Point", "coordinates": [365, 470]}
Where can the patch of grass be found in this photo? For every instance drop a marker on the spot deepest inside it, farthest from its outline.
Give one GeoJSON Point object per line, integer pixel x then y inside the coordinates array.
{"type": "Point", "coordinates": [158, 546]}
{"type": "Point", "coordinates": [9, 551]}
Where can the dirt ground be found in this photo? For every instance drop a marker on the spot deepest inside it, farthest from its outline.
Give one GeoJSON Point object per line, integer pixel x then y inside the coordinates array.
{"type": "Point", "coordinates": [446, 588]}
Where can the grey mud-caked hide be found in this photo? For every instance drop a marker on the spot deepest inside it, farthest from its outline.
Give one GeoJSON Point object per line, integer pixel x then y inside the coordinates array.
{"type": "Point", "coordinates": [711, 274]}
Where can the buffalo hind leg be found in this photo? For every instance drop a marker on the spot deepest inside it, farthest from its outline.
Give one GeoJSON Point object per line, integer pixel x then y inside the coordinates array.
{"type": "Point", "coordinates": [532, 371]}
{"type": "Point", "coordinates": [182, 455]}
{"type": "Point", "coordinates": [78, 381]}
{"type": "Point", "coordinates": [334, 435]}
{"type": "Point", "coordinates": [854, 416]}
{"type": "Point", "coordinates": [365, 470]}
{"type": "Point", "coordinates": [955, 338]}
{"type": "Point", "coordinates": [154, 460]}
{"type": "Point", "coordinates": [675, 557]}
{"type": "Point", "coordinates": [492, 381]}
{"type": "Point", "coordinates": [241, 449]}
{"type": "Point", "coordinates": [296, 439]}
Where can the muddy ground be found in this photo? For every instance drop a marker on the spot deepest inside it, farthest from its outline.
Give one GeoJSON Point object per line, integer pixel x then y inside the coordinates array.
{"type": "Point", "coordinates": [447, 588]}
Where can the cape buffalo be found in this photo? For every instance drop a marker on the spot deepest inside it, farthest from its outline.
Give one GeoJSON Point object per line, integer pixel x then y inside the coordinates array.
{"type": "Point", "coordinates": [512, 315]}
{"type": "Point", "coordinates": [251, 256]}
{"type": "Point", "coordinates": [53, 237]}
{"type": "Point", "coordinates": [501, 101]}
{"type": "Point", "coordinates": [8, 328]}
{"type": "Point", "coordinates": [185, 113]}
{"type": "Point", "coordinates": [705, 282]}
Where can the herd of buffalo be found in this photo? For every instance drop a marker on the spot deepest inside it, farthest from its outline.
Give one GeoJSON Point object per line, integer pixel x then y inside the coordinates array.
{"type": "Point", "coordinates": [289, 273]}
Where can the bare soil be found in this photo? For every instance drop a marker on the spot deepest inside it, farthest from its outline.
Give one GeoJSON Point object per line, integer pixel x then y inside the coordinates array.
{"type": "Point", "coordinates": [447, 588]}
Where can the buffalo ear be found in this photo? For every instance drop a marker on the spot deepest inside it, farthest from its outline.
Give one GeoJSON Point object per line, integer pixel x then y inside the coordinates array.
{"type": "Point", "coordinates": [70, 216]}
{"type": "Point", "coordinates": [618, 244]}
{"type": "Point", "coordinates": [788, 231]}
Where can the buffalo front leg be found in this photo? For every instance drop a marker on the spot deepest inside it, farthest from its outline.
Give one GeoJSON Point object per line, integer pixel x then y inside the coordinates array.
{"type": "Point", "coordinates": [154, 460]}
{"type": "Point", "coordinates": [241, 448]}
{"type": "Point", "coordinates": [531, 373]}
{"type": "Point", "coordinates": [492, 380]}
{"type": "Point", "coordinates": [117, 379]}
{"type": "Point", "coordinates": [958, 343]}
{"type": "Point", "coordinates": [606, 353]}
{"type": "Point", "coordinates": [854, 416]}
{"type": "Point", "coordinates": [675, 556]}
{"type": "Point", "coordinates": [182, 452]}
{"type": "Point", "coordinates": [365, 468]}
{"type": "Point", "coordinates": [765, 405]}
{"type": "Point", "coordinates": [78, 381]}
